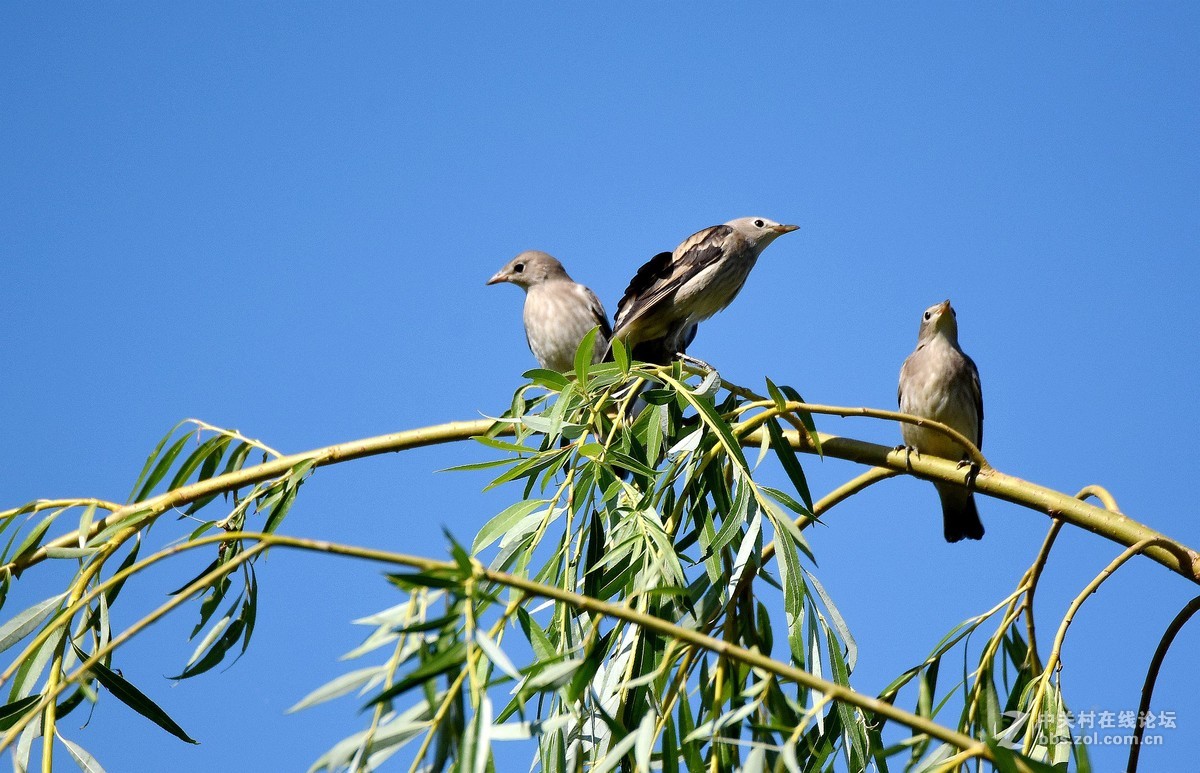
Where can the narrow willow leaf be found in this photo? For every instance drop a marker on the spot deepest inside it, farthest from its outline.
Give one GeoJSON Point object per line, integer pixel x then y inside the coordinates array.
{"type": "Point", "coordinates": [805, 418]}
{"type": "Point", "coordinates": [160, 469]}
{"type": "Point", "coordinates": [342, 685]}
{"type": "Point", "coordinates": [791, 464]}
{"type": "Point", "coordinates": [620, 355]}
{"type": "Point", "coordinates": [447, 660]}
{"type": "Point", "coordinates": [86, 762]}
{"type": "Point", "coordinates": [150, 459]}
{"type": "Point", "coordinates": [838, 621]}
{"type": "Point", "coordinates": [615, 754]}
{"type": "Point", "coordinates": [499, 525]}
{"type": "Point", "coordinates": [11, 712]}
{"type": "Point", "coordinates": [213, 446]}
{"type": "Point", "coordinates": [710, 417]}
{"type": "Point", "coordinates": [496, 655]}
{"type": "Point", "coordinates": [30, 671]}
{"type": "Point", "coordinates": [24, 623]}
{"type": "Point", "coordinates": [34, 538]}
{"type": "Point", "coordinates": [133, 697]}
{"type": "Point", "coordinates": [551, 379]}
{"type": "Point", "coordinates": [85, 524]}
{"type": "Point", "coordinates": [584, 355]}
{"type": "Point", "coordinates": [70, 552]}
{"type": "Point", "coordinates": [20, 758]}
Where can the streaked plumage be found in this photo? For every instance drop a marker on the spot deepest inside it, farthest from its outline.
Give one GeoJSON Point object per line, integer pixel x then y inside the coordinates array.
{"type": "Point", "coordinates": [559, 312]}
{"type": "Point", "coordinates": [675, 291]}
{"type": "Point", "coordinates": [939, 382]}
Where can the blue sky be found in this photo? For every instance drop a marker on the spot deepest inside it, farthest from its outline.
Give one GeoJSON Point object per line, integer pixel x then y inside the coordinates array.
{"type": "Point", "coordinates": [280, 218]}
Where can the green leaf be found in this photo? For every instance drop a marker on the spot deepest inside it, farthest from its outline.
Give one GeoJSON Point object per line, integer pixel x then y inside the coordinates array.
{"type": "Point", "coordinates": [584, 355]}
{"type": "Point", "coordinates": [448, 659]}
{"type": "Point", "coordinates": [709, 416]}
{"type": "Point", "coordinates": [791, 464]}
{"type": "Point", "coordinates": [499, 525]}
{"type": "Point", "coordinates": [342, 685]}
{"type": "Point", "coordinates": [620, 355]}
{"type": "Point", "coordinates": [150, 459]}
{"type": "Point", "coordinates": [551, 379]}
{"type": "Point", "coordinates": [24, 624]}
{"type": "Point", "coordinates": [1009, 761]}
{"type": "Point", "coordinates": [11, 712]}
{"type": "Point", "coordinates": [805, 418]}
{"type": "Point", "coordinates": [160, 469]}
{"type": "Point", "coordinates": [86, 762]}
{"type": "Point", "coordinates": [133, 697]}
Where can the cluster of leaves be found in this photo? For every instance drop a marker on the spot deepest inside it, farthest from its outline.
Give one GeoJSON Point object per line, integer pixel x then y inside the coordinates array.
{"type": "Point", "coordinates": [70, 636]}
{"type": "Point", "coordinates": [636, 490]}
{"type": "Point", "coordinates": [637, 499]}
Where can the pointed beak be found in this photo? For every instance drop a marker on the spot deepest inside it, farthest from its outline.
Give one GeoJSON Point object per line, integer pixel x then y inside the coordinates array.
{"type": "Point", "coordinates": [944, 306]}
{"type": "Point", "coordinates": [785, 229]}
{"type": "Point", "coordinates": [498, 278]}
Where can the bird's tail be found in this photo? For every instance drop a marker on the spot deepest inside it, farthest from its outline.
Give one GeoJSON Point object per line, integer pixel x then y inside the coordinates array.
{"type": "Point", "coordinates": [960, 517]}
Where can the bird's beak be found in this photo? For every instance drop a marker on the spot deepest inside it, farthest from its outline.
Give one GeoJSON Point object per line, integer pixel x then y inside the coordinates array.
{"type": "Point", "coordinates": [944, 306]}
{"type": "Point", "coordinates": [785, 229]}
{"type": "Point", "coordinates": [498, 278]}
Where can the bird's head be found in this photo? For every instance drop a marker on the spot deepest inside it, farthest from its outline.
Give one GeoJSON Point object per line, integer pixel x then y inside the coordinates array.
{"type": "Point", "coordinates": [939, 319]}
{"type": "Point", "coordinates": [760, 230]}
{"type": "Point", "coordinates": [528, 269]}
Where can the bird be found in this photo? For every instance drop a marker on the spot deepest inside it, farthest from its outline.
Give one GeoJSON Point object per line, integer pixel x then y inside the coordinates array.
{"type": "Point", "coordinates": [938, 381]}
{"type": "Point", "coordinates": [559, 311]}
{"type": "Point", "coordinates": [674, 291]}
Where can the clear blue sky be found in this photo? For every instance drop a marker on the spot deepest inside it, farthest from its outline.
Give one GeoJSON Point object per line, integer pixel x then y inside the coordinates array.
{"type": "Point", "coordinates": [280, 218]}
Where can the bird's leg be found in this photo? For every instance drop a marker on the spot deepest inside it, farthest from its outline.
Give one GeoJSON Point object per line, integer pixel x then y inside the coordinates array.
{"type": "Point", "coordinates": [972, 471]}
{"type": "Point", "coordinates": [908, 452]}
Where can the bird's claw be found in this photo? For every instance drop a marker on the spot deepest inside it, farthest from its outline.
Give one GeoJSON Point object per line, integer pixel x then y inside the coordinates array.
{"type": "Point", "coordinates": [908, 452]}
{"type": "Point", "coordinates": [972, 470]}
{"type": "Point", "coordinates": [696, 361]}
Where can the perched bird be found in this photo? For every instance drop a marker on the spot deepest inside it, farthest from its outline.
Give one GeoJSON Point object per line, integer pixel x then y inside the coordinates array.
{"type": "Point", "coordinates": [675, 291]}
{"type": "Point", "coordinates": [939, 382]}
{"type": "Point", "coordinates": [558, 311]}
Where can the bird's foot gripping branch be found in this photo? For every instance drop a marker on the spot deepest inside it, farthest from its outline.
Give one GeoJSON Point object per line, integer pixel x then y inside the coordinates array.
{"type": "Point", "coordinates": [645, 601]}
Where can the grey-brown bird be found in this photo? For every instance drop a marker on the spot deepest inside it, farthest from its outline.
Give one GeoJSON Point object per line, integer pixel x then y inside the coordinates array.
{"type": "Point", "coordinates": [939, 382]}
{"type": "Point", "coordinates": [559, 312]}
{"type": "Point", "coordinates": [675, 291]}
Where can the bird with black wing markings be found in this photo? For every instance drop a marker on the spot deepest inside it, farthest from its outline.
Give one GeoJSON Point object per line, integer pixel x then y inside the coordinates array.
{"type": "Point", "coordinates": [675, 291]}
{"type": "Point", "coordinates": [938, 381]}
{"type": "Point", "coordinates": [559, 311]}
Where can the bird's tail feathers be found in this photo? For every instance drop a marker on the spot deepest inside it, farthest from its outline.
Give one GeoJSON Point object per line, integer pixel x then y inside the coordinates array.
{"type": "Point", "coordinates": [960, 516]}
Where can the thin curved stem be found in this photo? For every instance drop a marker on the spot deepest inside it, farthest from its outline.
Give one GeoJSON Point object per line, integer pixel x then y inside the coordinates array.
{"type": "Point", "coordinates": [1031, 582]}
{"type": "Point", "coordinates": [1101, 494]}
{"type": "Point", "coordinates": [1160, 652]}
{"type": "Point", "coordinates": [1052, 662]}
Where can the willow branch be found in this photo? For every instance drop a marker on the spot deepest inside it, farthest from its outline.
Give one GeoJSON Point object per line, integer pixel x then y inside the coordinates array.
{"type": "Point", "coordinates": [1164, 644]}
{"type": "Point", "coordinates": [529, 587]}
{"type": "Point", "coordinates": [1116, 527]}
{"type": "Point", "coordinates": [1031, 583]}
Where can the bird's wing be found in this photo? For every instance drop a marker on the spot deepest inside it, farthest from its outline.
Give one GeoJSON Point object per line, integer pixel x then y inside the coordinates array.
{"type": "Point", "coordinates": [599, 315]}
{"type": "Point", "coordinates": [664, 274]}
{"type": "Point", "coordinates": [903, 377]}
{"type": "Point", "coordinates": [977, 395]}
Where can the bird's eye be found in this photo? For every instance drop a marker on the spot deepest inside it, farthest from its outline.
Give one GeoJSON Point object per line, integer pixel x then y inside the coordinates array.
{"type": "Point", "coordinates": [519, 267]}
{"type": "Point", "coordinates": [928, 315]}
{"type": "Point", "coordinates": [758, 224]}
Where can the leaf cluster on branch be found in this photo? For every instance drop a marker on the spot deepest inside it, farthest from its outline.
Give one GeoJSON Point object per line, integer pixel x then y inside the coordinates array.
{"type": "Point", "coordinates": [645, 602]}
